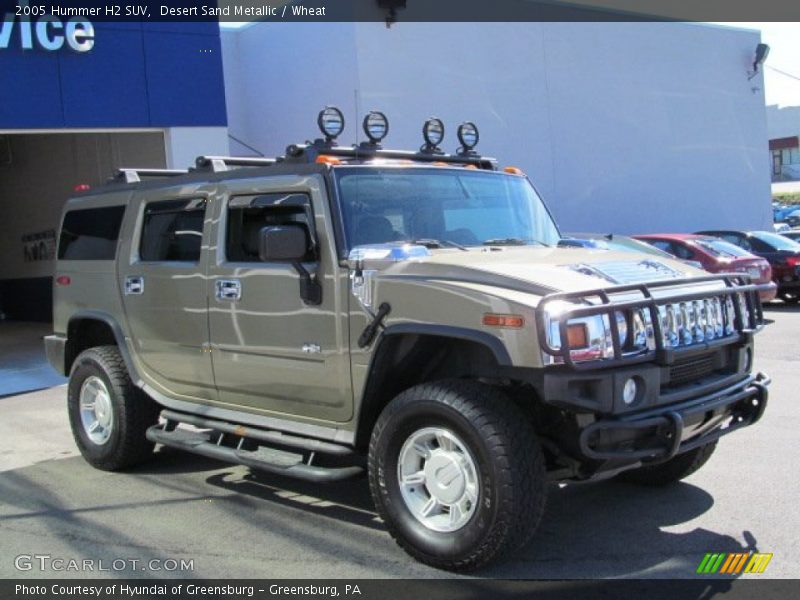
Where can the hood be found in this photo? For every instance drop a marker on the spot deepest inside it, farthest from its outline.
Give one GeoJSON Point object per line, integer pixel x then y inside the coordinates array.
{"type": "Point", "coordinates": [533, 269]}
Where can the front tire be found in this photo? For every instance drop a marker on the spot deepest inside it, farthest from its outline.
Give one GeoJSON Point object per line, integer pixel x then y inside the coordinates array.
{"type": "Point", "coordinates": [789, 297]}
{"type": "Point", "coordinates": [670, 471]}
{"type": "Point", "coordinates": [108, 414]}
{"type": "Point", "coordinates": [456, 474]}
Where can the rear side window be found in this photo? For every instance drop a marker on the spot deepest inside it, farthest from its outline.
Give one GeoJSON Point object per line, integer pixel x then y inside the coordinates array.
{"type": "Point", "coordinates": [173, 231]}
{"type": "Point", "coordinates": [90, 234]}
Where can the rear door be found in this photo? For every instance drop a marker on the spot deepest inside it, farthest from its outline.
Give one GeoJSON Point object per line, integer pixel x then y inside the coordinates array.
{"type": "Point", "coordinates": [162, 278]}
{"type": "Point", "coordinates": [272, 351]}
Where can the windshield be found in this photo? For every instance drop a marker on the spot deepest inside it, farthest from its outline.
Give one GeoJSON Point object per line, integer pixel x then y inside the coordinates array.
{"type": "Point", "coordinates": [721, 248]}
{"type": "Point", "coordinates": [441, 207]}
{"type": "Point", "coordinates": [778, 242]}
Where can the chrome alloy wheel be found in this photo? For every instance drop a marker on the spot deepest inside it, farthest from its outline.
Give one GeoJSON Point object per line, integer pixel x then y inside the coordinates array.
{"type": "Point", "coordinates": [438, 479]}
{"type": "Point", "coordinates": [97, 413]}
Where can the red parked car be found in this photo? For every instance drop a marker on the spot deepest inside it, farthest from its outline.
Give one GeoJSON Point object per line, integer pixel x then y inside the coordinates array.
{"type": "Point", "coordinates": [717, 256]}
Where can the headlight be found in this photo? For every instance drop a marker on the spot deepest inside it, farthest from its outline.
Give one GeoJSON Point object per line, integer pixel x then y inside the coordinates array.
{"type": "Point", "coordinates": [588, 337]}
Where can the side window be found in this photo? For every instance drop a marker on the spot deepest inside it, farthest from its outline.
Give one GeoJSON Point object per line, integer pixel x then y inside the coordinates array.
{"type": "Point", "coordinates": [682, 251]}
{"type": "Point", "coordinates": [662, 245]}
{"type": "Point", "coordinates": [760, 246]}
{"type": "Point", "coordinates": [90, 234]}
{"type": "Point", "coordinates": [172, 231]}
{"type": "Point", "coordinates": [737, 240]}
{"type": "Point", "coordinates": [248, 215]}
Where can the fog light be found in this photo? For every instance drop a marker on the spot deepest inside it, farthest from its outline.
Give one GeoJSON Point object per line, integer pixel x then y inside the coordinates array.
{"type": "Point", "coordinates": [468, 135]}
{"type": "Point", "coordinates": [433, 133]}
{"type": "Point", "coordinates": [629, 391]}
{"type": "Point", "coordinates": [376, 126]}
{"type": "Point", "coordinates": [331, 122]}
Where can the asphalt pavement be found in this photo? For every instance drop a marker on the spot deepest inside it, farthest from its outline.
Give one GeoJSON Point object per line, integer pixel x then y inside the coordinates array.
{"type": "Point", "coordinates": [227, 521]}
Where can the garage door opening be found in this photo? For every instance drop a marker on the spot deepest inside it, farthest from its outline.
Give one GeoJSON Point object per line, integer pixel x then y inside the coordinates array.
{"type": "Point", "coordinates": [38, 172]}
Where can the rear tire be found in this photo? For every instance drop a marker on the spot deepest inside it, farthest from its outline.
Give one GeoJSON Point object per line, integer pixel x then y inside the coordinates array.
{"type": "Point", "coordinates": [789, 297]}
{"type": "Point", "coordinates": [671, 471]}
{"type": "Point", "coordinates": [108, 414]}
{"type": "Point", "coordinates": [481, 467]}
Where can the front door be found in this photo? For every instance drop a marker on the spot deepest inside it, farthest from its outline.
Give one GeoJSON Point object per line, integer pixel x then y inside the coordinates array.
{"type": "Point", "coordinates": [162, 278]}
{"type": "Point", "coordinates": [273, 351]}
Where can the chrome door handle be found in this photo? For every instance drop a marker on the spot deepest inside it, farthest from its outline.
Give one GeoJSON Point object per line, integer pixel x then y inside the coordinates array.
{"type": "Point", "coordinates": [134, 285]}
{"type": "Point", "coordinates": [229, 289]}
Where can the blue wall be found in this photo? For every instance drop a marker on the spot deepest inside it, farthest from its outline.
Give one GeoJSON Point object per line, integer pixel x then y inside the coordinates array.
{"type": "Point", "coordinates": [137, 75]}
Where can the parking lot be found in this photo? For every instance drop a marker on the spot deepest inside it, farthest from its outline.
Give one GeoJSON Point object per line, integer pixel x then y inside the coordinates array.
{"type": "Point", "coordinates": [228, 521]}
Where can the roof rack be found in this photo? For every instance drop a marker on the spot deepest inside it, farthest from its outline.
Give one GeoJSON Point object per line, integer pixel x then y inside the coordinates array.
{"type": "Point", "coordinates": [221, 163]}
{"type": "Point", "coordinates": [365, 151]}
{"type": "Point", "coordinates": [136, 175]}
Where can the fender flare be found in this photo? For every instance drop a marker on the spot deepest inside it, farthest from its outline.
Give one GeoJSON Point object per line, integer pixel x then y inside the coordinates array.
{"type": "Point", "coordinates": [119, 336]}
{"type": "Point", "coordinates": [493, 343]}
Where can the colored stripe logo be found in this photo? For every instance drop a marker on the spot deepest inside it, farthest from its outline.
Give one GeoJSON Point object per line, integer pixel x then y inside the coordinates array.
{"type": "Point", "coordinates": [734, 563]}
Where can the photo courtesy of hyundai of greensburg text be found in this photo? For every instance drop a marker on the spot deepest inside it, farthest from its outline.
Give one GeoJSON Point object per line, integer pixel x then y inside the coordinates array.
{"type": "Point", "coordinates": [399, 298]}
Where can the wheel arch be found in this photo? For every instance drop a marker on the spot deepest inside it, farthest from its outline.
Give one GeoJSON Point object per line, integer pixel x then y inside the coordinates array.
{"type": "Point", "coordinates": [90, 328]}
{"type": "Point", "coordinates": [409, 354]}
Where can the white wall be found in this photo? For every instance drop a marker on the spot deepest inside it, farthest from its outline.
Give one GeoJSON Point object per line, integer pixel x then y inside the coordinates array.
{"type": "Point", "coordinates": [631, 127]}
{"type": "Point", "coordinates": [185, 144]}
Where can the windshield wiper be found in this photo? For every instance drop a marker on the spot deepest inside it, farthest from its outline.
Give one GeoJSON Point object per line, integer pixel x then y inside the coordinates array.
{"type": "Point", "coordinates": [432, 243]}
{"type": "Point", "coordinates": [512, 241]}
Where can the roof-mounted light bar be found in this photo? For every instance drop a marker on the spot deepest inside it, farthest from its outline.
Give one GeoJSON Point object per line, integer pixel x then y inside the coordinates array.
{"type": "Point", "coordinates": [433, 134]}
{"type": "Point", "coordinates": [468, 136]}
{"type": "Point", "coordinates": [331, 123]}
{"type": "Point", "coordinates": [376, 126]}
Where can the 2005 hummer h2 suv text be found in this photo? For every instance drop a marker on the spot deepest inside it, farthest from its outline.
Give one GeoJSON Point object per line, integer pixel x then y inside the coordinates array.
{"type": "Point", "coordinates": [342, 309]}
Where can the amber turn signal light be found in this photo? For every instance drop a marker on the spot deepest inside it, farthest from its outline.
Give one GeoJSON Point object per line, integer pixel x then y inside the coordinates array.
{"type": "Point", "coordinates": [577, 335]}
{"type": "Point", "coordinates": [509, 321]}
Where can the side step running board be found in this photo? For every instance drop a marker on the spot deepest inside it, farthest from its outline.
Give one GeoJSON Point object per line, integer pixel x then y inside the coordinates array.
{"type": "Point", "coordinates": [266, 459]}
{"type": "Point", "coordinates": [263, 435]}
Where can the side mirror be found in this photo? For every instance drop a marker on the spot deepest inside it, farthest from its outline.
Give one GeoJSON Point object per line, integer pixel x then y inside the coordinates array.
{"type": "Point", "coordinates": [290, 243]}
{"type": "Point", "coordinates": [283, 243]}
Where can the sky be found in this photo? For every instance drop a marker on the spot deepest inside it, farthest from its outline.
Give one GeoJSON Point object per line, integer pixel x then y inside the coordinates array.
{"type": "Point", "coordinates": [782, 69]}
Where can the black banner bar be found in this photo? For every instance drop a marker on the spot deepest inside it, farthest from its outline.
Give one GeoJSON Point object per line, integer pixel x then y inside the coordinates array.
{"type": "Point", "coordinates": [399, 589]}
{"type": "Point", "coordinates": [398, 11]}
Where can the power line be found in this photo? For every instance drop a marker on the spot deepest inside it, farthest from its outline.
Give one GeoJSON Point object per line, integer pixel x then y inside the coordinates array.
{"type": "Point", "coordinates": [784, 73]}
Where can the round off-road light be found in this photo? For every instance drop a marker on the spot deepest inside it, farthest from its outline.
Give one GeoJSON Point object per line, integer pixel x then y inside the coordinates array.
{"type": "Point", "coordinates": [468, 135]}
{"type": "Point", "coordinates": [376, 126]}
{"type": "Point", "coordinates": [433, 132]}
{"type": "Point", "coordinates": [629, 391]}
{"type": "Point", "coordinates": [331, 122]}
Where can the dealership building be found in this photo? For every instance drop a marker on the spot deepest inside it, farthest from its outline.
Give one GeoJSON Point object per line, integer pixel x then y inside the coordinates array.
{"type": "Point", "coordinates": [623, 127]}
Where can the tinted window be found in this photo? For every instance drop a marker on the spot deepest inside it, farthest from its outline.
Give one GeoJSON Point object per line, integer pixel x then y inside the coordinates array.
{"type": "Point", "coordinates": [173, 231]}
{"type": "Point", "coordinates": [450, 205]}
{"type": "Point", "coordinates": [721, 248]}
{"type": "Point", "coordinates": [90, 234]}
{"type": "Point", "coordinates": [773, 241]}
{"type": "Point", "coordinates": [248, 215]}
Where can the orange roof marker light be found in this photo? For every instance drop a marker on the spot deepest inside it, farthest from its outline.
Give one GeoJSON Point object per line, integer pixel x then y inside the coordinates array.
{"type": "Point", "coordinates": [328, 160]}
{"type": "Point", "coordinates": [514, 171]}
{"type": "Point", "coordinates": [507, 321]}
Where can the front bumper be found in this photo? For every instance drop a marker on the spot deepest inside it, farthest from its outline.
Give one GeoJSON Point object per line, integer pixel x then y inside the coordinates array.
{"type": "Point", "coordinates": [663, 432]}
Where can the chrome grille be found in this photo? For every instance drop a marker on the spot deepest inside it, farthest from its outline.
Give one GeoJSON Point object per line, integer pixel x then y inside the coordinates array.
{"type": "Point", "coordinates": [696, 321]}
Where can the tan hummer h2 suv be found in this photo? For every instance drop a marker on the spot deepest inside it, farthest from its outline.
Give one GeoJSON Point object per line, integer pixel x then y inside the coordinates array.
{"type": "Point", "coordinates": [344, 309]}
